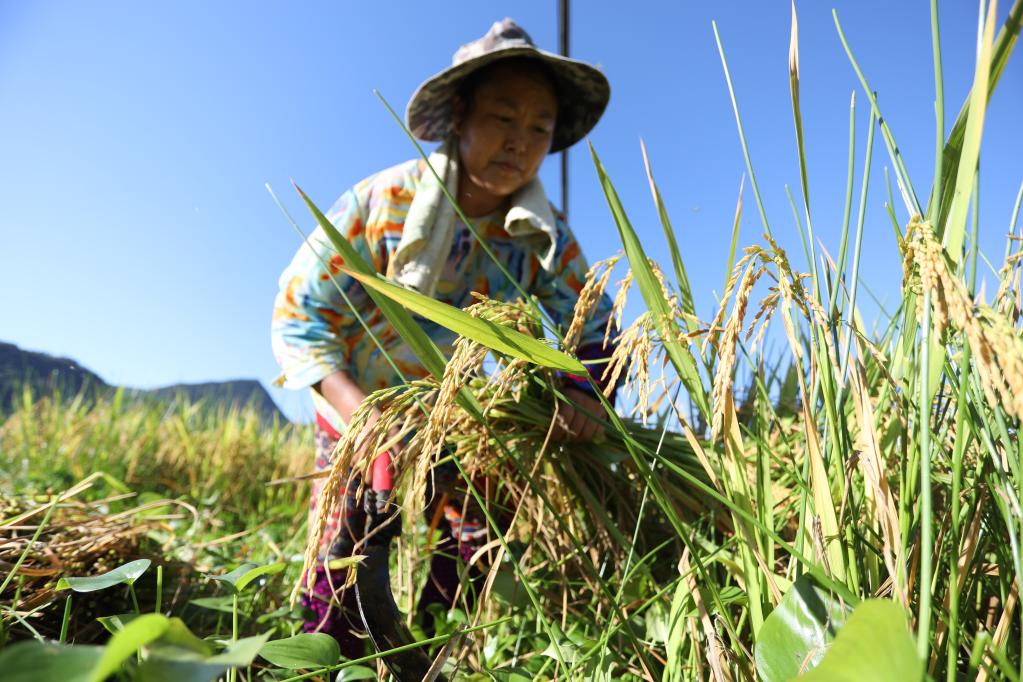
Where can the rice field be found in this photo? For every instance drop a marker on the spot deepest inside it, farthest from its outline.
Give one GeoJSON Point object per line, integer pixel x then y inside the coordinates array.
{"type": "Point", "coordinates": [848, 510]}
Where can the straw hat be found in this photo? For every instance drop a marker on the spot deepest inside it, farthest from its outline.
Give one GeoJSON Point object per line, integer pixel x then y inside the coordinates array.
{"type": "Point", "coordinates": [583, 91]}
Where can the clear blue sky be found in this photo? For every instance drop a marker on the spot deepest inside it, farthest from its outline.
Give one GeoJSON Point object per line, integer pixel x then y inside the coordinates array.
{"type": "Point", "coordinates": [136, 235]}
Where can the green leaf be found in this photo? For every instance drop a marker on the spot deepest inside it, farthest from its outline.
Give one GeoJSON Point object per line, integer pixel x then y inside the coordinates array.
{"type": "Point", "coordinates": [132, 637]}
{"type": "Point", "coordinates": [355, 672]}
{"type": "Point", "coordinates": [306, 650]}
{"type": "Point", "coordinates": [240, 577]}
{"type": "Point", "coordinates": [234, 576]}
{"type": "Point", "coordinates": [269, 569]}
{"type": "Point", "coordinates": [114, 624]}
{"type": "Point", "coordinates": [875, 644]}
{"type": "Point", "coordinates": [346, 562]}
{"type": "Point", "coordinates": [178, 635]}
{"type": "Point", "coordinates": [177, 664]}
{"type": "Point", "coordinates": [955, 228]}
{"type": "Point", "coordinates": [508, 589]}
{"type": "Point", "coordinates": [243, 651]}
{"type": "Point", "coordinates": [283, 612]}
{"type": "Point", "coordinates": [183, 666]}
{"type": "Point", "coordinates": [794, 636]}
{"type": "Point", "coordinates": [411, 333]}
{"type": "Point", "coordinates": [32, 661]}
{"type": "Point", "coordinates": [952, 154]}
{"type": "Point", "coordinates": [572, 647]}
{"type": "Point", "coordinates": [492, 335]}
{"type": "Point", "coordinates": [222, 604]}
{"type": "Point", "coordinates": [685, 291]}
{"type": "Point", "coordinates": [653, 295]}
{"type": "Point", "coordinates": [128, 573]}
{"type": "Point", "coordinates": [511, 675]}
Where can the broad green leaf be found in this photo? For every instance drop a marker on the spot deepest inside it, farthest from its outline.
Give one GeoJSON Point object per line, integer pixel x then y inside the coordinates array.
{"type": "Point", "coordinates": [114, 624]}
{"type": "Point", "coordinates": [655, 618]}
{"type": "Point", "coordinates": [132, 637]}
{"type": "Point", "coordinates": [511, 675]}
{"type": "Point", "coordinates": [571, 646]}
{"type": "Point", "coordinates": [411, 333]}
{"type": "Point", "coordinates": [875, 644]}
{"type": "Point", "coordinates": [177, 633]}
{"type": "Point", "coordinates": [653, 295]}
{"type": "Point", "coordinates": [492, 335]}
{"type": "Point", "coordinates": [32, 661]}
{"type": "Point", "coordinates": [240, 577]}
{"type": "Point", "coordinates": [794, 636]}
{"type": "Point", "coordinates": [178, 664]}
{"type": "Point", "coordinates": [507, 589]}
{"type": "Point", "coordinates": [127, 573]}
{"type": "Point", "coordinates": [242, 651]}
{"type": "Point", "coordinates": [283, 612]}
{"type": "Point", "coordinates": [231, 578]}
{"type": "Point", "coordinates": [355, 672]}
{"type": "Point", "coordinates": [305, 650]}
{"type": "Point", "coordinates": [259, 571]}
{"type": "Point", "coordinates": [223, 604]}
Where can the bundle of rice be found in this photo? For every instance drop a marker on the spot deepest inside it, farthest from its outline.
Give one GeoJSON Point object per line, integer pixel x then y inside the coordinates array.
{"type": "Point", "coordinates": [576, 515]}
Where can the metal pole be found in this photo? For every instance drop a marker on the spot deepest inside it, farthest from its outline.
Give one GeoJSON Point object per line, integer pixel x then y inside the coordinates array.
{"type": "Point", "coordinates": [563, 48]}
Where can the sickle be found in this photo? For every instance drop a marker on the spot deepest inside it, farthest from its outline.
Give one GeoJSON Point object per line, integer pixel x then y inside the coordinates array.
{"type": "Point", "coordinates": [380, 614]}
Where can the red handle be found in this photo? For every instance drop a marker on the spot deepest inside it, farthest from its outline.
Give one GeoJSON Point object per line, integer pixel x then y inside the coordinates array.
{"type": "Point", "coordinates": [383, 474]}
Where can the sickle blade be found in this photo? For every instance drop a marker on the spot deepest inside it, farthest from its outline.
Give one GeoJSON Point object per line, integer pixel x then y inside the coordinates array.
{"type": "Point", "coordinates": [384, 622]}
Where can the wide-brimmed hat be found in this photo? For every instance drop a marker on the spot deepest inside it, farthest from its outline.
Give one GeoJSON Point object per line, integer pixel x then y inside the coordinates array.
{"type": "Point", "coordinates": [583, 91]}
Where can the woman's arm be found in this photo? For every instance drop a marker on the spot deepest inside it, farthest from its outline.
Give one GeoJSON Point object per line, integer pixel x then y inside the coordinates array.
{"type": "Point", "coordinates": [558, 291]}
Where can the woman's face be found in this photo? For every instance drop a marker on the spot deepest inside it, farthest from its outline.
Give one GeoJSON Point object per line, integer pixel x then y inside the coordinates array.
{"type": "Point", "coordinates": [507, 132]}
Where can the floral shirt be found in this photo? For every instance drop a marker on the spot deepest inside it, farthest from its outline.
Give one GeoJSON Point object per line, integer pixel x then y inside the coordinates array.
{"type": "Point", "coordinates": [315, 333]}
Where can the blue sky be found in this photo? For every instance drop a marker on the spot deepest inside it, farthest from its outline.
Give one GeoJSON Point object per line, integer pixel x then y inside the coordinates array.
{"type": "Point", "coordinates": [136, 235]}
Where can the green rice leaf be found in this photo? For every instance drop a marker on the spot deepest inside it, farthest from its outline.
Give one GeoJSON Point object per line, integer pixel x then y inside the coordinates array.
{"type": "Point", "coordinates": [424, 347]}
{"type": "Point", "coordinates": [653, 295]}
{"type": "Point", "coordinates": [685, 291]}
{"type": "Point", "coordinates": [494, 336]}
{"type": "Point", "coordinates": [955, 229]}
{"type": "Point", "coordinates": [951, 156]}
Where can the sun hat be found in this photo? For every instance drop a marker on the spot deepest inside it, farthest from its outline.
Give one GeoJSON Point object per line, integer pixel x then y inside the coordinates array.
{"type": "Point", "coordinates": [583, 91]}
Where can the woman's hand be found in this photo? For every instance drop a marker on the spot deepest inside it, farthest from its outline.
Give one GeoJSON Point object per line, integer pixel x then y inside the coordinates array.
{"type": "Point", "coordinates": [345, 396]}
{"type": "Point", "coordinates": [572, 423]}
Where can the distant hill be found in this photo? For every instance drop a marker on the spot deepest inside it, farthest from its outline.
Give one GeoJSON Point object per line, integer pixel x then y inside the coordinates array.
{"type": "Point", "coordinates": [46, 374]}
{"type": "Point", "coordinates": [237, 392]}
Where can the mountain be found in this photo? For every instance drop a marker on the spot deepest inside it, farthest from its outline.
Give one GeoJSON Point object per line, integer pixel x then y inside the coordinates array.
{"type": "Point", "coordinates": [237, 392]}
{"type": "Point", "coordinates": [46, 374]}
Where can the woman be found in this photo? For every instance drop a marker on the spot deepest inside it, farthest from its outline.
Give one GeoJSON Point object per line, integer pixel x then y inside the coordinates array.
{"type": "Point", "coordinates": [499, 109]}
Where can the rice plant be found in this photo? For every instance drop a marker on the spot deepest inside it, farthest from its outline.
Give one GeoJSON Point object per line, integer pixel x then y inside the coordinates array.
{"type": "Point", "coordinates": [849, 509]}
{"type": "Point", "coordinates": [877, 506]}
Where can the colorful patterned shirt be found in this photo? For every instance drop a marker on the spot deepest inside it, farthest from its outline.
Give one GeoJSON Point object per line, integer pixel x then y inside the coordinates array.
{"type": "Point", "coordinates": [315, 333]}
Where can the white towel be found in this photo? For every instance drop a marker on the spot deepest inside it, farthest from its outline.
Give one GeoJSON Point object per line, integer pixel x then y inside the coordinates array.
{"type": "Point", "coordinates": [429, 229]}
